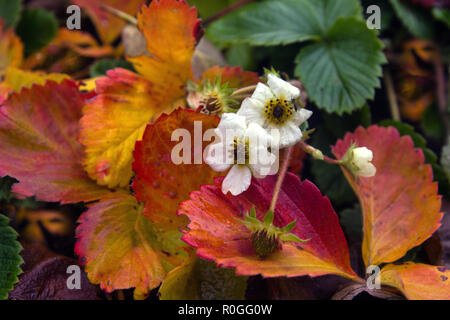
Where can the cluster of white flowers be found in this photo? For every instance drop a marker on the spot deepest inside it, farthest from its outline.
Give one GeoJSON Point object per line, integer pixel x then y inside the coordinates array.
{"type": "Point", "coordinates": [248, 142]}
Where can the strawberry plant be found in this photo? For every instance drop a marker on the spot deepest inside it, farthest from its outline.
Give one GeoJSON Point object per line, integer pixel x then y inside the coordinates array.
{"type": "Point", "coordinates": [179, 149]}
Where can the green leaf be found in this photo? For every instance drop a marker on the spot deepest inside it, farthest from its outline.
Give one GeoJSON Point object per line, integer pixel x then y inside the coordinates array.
{"type": "Point", "coordinates": [199, 279]}
{"type": "Point", "coordinates": [442, 15]}
{"type": "Point", "coordinates": [10, 11]}
{"type": "Point", "coordinates": [241, 55]}
{"type": "Point", "coordinates": [207, 8]}
{"type": "Point", "coordinates": [102, 66]}
{"type": "Point", "coordinates": [268, 218]}
{"type": "Point", "coordinates": [10, 259]}
{"type": "Point", "coordinates": [343, 71]}
{"type": "Point", "coordinates": [5, 187]}
{"type": "Point", "coordinates": [340, 71]}
{"type": "Point", "coordinates": [37, 28]}
{"type": "Point", "coordinates": [432, 124]}
{"type": "Point", "coordinates": [417, 21]}
{"type": "Point", "coordinates": [282, 22]}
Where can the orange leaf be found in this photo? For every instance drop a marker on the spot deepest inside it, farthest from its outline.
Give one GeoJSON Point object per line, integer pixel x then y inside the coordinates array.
{"type": "Point", "coordinates": [11, 49]}
{"type": "Point", "coordinates": [108, 26]}
{"type": "Point", "coordinates": [127, 102]}
{"type": "Point", "coordinates": [170, 28]}
{"type": "Point", "coordinates": [160, 183]}
{"type": "Point", "coordinates": [214, 229]}
{"type": "Point", "coordinates": [39, 147]}
{"type": "Point", "coordinates": [122, 249]}
{"type": "Point", "coordinates": [81, 42]}
{"type": "Point", "coordinates": [401, 206]}
{"type": "Point", "coordinates": [418, 281]}
{"type": "Point", "coordinates": [68, 53]}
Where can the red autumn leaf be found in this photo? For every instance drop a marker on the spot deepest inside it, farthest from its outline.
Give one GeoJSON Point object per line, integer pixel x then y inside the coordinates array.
{"type": "Point", "coordinates": [159, 182]}
{"type": "Point", "coordinates": [39, 147]}
{"type": "Point", "coordinates": [401, 206]}
{"type": "Point", "coordinates": [217, 234]}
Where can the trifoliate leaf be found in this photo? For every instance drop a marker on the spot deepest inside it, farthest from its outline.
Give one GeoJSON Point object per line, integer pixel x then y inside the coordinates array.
{"type": "Point", "coordinates": [10, 259]}
{"type": "Point", "coordinates": [282, 22]}
{"type": "Point", "coordinates": [10, 11]}
{"type": "Point", "coordinates": [418, 22]}
{"type": "Point", "coordinates": [36, 28]}
{"type": "Point", "coordinates": [341, 72]}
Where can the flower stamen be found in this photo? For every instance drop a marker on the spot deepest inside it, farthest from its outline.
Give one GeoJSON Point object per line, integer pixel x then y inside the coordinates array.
{"type": "Point", "coordinates": [279, 111]}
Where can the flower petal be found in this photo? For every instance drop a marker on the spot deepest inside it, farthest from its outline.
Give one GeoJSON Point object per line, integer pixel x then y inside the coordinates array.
{"type": "Point", "coordinates": [217, 157]}
{"type": "Point", "coordinates": [282, 88]}
{"type": "Point", "coordinates": [362, 154]}
{"type": "Point", "coordinates": [266, 163]}
{"type": "Point", "coordinates": [252, 110]}
{"type": "Point", "coordinates": [237, 180]}
{"type": "Point", "coordinates": [290, 134]}
{"type": "Point", "coordinates": [301, 116]}
{"type": "Point", "coordinates": [258, 135]}
{"type": "Point", "coordinates": [231, 123]}
{"type": "Point", "coordinates": [368, 170]}
{"type": "Point", "coordinates": [262, 93]}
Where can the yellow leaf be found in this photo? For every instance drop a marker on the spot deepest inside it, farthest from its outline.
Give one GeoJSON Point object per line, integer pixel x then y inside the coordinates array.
{"type": "Point", "coordinates": [418, 281]}
{"type": "Point", "coordinates": [123, 249]}
{"type": "Point", "coordinates": [17, 79]}
{"type": "Point", "coordinates": [11, 49]}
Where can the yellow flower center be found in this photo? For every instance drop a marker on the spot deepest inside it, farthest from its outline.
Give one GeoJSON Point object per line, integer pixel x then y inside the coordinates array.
{"type": "Point", "coordinates": [279, 111]}
{"type": "Point", "coordinates": [240, 150]}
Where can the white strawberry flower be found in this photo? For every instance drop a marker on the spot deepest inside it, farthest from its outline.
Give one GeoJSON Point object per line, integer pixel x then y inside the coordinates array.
{"type": "Point", "coordinates": [242, 148]}
{"type": "Point", "coordinates": [272, 107]}
{"type": "Point", "coordinates": [359, 161]}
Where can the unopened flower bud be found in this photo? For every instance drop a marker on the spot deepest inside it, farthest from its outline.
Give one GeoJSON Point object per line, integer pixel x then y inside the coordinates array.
{"type": "Point", "coordinates": [358, 161]}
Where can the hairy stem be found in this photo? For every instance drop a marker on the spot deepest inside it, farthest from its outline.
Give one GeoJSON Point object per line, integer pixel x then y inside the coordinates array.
{"type": "Point", "coordinates": [120, 14]}
{"type": "Point", "coordinates": [311, 150]}
{"type": "Point", "coordinates": [390, 91]}
{"type": "Point", "coordinates": [281, 175]}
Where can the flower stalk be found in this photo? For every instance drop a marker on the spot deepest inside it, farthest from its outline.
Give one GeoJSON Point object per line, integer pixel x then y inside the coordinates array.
{"type": "Point", "coordinates": [280, 179]}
